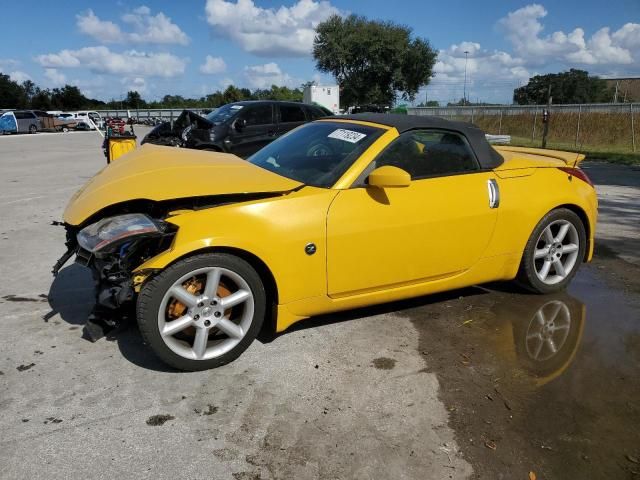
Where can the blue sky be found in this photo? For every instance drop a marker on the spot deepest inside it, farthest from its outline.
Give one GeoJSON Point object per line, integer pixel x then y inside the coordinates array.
{"type": "Point", "coordinates": [193, 47]}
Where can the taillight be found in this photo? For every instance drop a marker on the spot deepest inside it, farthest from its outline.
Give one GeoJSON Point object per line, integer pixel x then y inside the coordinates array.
{"type": "Point", "coordinates": [578, 173]}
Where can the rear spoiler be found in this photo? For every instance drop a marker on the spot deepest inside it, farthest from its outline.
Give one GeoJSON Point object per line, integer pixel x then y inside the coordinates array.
{"type": "Point", "coordinates": [570, 158]}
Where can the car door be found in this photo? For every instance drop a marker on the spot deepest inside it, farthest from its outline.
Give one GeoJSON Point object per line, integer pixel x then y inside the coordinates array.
{"type": "Point", "coordinates": [253, 128]}
{"type": "Point", "coordinates": [23, 121]}
{"type": "Point", "coordinates": [291, 116]}
{"type": "Point", "coordinates": [435, 228]}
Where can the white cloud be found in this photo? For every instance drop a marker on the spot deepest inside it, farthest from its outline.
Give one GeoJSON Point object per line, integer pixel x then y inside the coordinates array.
{"type": "Point", "coordinates": [486, 71]}
{"type": "Point", "coordinates": [146, 28]}
{"type": "Point", "coordinates": [105, 31]}
{"type": "Point", "coordinates": [56, 79]}
{"type": "Point", "coordinates": [137, 84]}
{"type": "Point", "coordinates": [102, 60]}
{"type": "Point", "coordinates": [263, 76]}
{"type": "Point", "coordinates": [628, 36]}
{"type": "Point", "coordinates": [213, 65]}
{"type": "Point", "coordinates": [286, 31]}
{"type": "Point", "coordinates": [524, 30]}
{"type": "Point", "coordinates": [19, 76]}
{"type": "Point", "coordinates": [7, 63]}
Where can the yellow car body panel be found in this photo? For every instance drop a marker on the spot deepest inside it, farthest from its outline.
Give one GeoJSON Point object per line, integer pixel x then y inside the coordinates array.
{"type": "Point", "coordinates": [373, 245]}
{"type": "Point", "coordinates": [541, 191]}
{"type": "Point", "coordinates": [379, 238]}
{"type": "Point", "coordinates": [275, 230]}
{"type": "Point", "coordinates": [165, 173]}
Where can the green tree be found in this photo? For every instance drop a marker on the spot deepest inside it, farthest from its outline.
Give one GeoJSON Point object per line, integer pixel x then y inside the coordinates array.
{"type": "Point", "coordinates": [232, 94]}
{"type": "Point", "coordinates": [372, 61]}
{"type": "Point", "coordinates": [12, 94]}
{"type": "Point", "coordinates": [574, 86]}
{"type": "Point", "coordinates": [134, 100]}
{"type": "Point", "coordinates": [41, 99]}
{"type": "Point", "coordinates": [68, 97]}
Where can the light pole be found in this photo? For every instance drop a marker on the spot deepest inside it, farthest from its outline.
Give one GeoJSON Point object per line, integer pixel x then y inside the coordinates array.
{"type": "Point", "coordinates": [464, 95]}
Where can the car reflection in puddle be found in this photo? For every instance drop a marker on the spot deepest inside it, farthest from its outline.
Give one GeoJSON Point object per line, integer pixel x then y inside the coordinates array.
{"type": "Point", "coordinates": [545, 333]}
{"type": "Point", "coordinates": [550, 380]}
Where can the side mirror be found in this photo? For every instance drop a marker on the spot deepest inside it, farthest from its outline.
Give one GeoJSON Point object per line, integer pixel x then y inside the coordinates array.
{"type": "Point", "coordinates": [389, 177]}
{"type": "Point", "coordinates": [240, 124]}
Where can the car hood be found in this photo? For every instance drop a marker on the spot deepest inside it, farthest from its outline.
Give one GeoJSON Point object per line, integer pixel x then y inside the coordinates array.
{"type": "Point", "coordinates": [164, 173]}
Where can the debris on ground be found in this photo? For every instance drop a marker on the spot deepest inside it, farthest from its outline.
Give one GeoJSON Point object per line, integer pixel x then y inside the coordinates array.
{"type": "Point", "coordinates": [157, 420]}
{"type": "Point", "coordinates": [490, 444]}
{"type": "Point", "coordinates": [52, 420]}
{"type": "Point", "coordinates": [22, 368]}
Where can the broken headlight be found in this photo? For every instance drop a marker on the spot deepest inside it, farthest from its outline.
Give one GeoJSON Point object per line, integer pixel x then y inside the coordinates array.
{"type": "Point", "coordinates": [109, 232]}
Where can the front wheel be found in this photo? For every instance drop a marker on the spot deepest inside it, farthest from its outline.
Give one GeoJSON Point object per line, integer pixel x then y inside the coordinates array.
{"type": "Point", "coordinates": [33, 129]}
{"type": "Point", "coordinates": [202, 312]}
{"type": "Point", "coordinates": [553, 253]}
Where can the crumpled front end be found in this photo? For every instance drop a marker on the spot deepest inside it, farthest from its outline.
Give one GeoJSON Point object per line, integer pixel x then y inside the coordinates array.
{"type": "Point", "coordinates": [112, 248]}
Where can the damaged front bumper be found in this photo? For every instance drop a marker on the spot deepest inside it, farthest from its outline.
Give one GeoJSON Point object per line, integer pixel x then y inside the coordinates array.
{"type": "Point", "coordinates": [116, 284]}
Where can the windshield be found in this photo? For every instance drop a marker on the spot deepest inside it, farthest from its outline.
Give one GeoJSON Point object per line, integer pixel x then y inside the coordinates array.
{"type": "Point", "coordinates": [224, 113]}
{"type": "Point", "coordinates": [316, 153]}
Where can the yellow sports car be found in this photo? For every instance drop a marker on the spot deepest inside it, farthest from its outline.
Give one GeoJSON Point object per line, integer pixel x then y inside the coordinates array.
{"type": "Point", "coordinates": [340, 213]}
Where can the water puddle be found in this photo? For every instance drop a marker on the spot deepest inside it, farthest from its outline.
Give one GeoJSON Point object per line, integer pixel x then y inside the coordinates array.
{"type": "Point", "coordinates": [545, 384]}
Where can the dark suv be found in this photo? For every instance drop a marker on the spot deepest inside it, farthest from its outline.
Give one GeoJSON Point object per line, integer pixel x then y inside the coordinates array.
{"type": "Point", "coordinates": [241, 128]}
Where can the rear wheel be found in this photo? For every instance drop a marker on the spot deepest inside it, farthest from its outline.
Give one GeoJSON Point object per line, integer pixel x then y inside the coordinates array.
{"type": "Point", "coordinates": [202, 312]}
{"type": "Point", "coordinates": [33, 129]}
{"type": "Point", "coordinates": [553, 253]}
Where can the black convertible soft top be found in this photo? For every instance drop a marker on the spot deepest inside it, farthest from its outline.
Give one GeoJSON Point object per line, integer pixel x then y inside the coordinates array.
{"type": "Point", "coordinates": [487, 156]}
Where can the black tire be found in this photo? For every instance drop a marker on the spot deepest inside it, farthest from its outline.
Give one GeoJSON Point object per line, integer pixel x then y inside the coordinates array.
{"type": "Point", "coordinates": [527, 276]}
{"type": "Point", "coordinates": [33, 129]}
{"type": "Point", "coordinates": [150, 299]}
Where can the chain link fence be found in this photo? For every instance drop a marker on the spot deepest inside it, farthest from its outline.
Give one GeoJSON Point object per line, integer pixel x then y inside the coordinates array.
{"type": "Point", "coordinates": [606, 128]}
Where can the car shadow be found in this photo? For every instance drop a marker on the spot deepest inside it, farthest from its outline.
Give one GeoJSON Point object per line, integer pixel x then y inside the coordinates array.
{"type": "Point", "coordinates": [381, 309]}
{"type": "Point", "coordinates": [72, 296]}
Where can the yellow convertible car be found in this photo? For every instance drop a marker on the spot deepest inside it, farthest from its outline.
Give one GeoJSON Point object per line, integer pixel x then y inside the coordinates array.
{"type": "Point", "coordinates": [337, 214]}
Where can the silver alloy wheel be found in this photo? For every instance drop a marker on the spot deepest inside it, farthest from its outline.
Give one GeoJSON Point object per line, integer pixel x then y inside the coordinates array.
{"type": "Point", "coordinates": [556, 252]}
{"type": "Point", "coordinates": [548, 330]}
{"type": "Point", "coordinates": [218, 328]}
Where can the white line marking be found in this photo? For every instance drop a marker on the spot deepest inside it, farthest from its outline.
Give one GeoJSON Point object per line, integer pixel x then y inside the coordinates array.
{"type": "Point", "coordinates": [23, 200]}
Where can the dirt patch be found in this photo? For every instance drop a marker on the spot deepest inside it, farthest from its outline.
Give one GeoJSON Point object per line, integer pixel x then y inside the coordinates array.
{"type": "Point", "coordinates": [246, 476]}
{"type": "Point", "coordinates": [528, 379]}
{"type": "Point", "coordinates": [614, 269]}
{"type": "Point", "coordinates": [384, 363]}
{"type": "Point", "coordinates": [225, 454]}
{"type": "Point", "coordinates": [157, 420]}
{"type": "Point", "coordinates": [210, 410]}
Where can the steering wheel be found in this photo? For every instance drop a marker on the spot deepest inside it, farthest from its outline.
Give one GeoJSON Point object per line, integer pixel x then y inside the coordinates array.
{"type": "Point", "coordinates": [320, 150]}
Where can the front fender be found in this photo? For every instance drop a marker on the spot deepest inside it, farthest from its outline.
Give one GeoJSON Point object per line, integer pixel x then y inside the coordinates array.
{"type": "Point", "coordinates": [275, 230]}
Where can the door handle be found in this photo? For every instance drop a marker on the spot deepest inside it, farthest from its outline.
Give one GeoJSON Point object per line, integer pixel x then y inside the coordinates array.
{"type": "Point", "coordinates": [494, 193]}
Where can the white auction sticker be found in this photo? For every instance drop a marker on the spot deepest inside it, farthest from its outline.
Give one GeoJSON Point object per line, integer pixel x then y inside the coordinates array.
{"type": "Point", "coordinates": [347, 135]}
